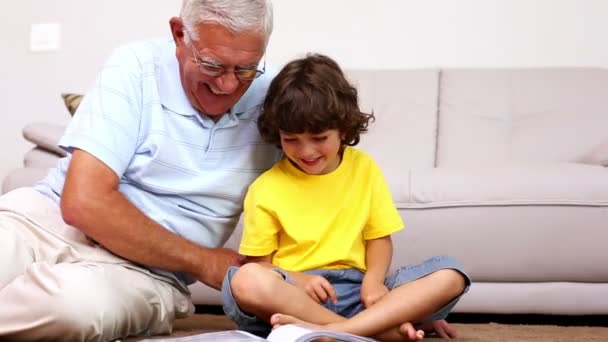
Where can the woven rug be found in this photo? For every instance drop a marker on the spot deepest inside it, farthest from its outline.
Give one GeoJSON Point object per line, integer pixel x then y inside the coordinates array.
{"type": "Point", "coordinates": [491, 332]}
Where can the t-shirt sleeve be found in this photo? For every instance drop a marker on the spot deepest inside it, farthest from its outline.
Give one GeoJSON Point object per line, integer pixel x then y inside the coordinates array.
{"type": "Point", "coordinates": [107, 121]}
{"type": "Point", "coordinates": [384, 219]}
{"type": "Point", "coordinates": [261, 227]}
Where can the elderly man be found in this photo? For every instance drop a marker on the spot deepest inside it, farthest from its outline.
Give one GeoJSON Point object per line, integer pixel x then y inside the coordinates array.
{"type": "Point", "coordinates": [161, 152]}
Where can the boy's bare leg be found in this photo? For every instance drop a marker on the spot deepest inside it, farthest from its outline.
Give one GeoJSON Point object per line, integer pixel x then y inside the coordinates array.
{"type": "Point", "coordinates": [262, 292]}
{"type": "Point", "coordinates": [406, 303]}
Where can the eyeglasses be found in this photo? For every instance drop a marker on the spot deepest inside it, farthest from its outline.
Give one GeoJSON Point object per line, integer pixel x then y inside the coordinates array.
{"type": "Point", "coordinates": [217, 70]}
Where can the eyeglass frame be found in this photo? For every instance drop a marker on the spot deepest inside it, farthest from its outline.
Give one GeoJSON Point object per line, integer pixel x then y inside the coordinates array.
{"type": "Point", "coordinates": [204, 67]}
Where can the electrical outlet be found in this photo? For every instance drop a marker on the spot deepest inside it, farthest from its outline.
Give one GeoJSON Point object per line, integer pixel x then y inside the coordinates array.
{"type": "Point", "coordinates": [45, 37]}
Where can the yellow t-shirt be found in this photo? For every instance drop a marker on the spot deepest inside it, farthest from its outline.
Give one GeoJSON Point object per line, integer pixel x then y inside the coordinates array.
{"type": "Point", "coordinates": [318, 221]}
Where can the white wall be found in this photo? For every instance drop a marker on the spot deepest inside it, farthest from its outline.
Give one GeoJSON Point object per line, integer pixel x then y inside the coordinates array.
{"type": "Point", "coordinates": [357, 33]}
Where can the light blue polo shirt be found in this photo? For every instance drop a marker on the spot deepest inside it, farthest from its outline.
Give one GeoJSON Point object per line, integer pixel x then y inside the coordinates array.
{"type": "Point", "coordinates": [182, 169]}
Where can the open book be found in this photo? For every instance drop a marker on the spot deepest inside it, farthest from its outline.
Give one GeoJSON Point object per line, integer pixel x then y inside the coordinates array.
{"type": "Point", "coordinates": [284, 333]}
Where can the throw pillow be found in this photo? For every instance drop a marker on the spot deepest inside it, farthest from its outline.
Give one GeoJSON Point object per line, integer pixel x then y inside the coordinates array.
{"type": "Point", "coordinates": [72, 101]}
{"type": "Point", "coordinates": [597, 156]}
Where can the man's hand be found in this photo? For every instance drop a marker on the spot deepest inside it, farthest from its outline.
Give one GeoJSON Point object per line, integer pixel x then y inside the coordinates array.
{"type": "Point", "coordinates": [217, 261]}
{"type": "Point", "coordinates": [315, 286]}
{"type": "Point", "coordinates": [371, 292]}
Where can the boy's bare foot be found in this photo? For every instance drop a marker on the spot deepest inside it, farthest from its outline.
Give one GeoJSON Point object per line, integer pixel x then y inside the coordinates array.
{"type": "Point", "coordinates": [440, 327]}
{"type": "Point", "coordinates": [407, 330]}
{"type": "Point", "coordinates": [278, 319]}
{"type": "Point", "coordinates": [412, 334]}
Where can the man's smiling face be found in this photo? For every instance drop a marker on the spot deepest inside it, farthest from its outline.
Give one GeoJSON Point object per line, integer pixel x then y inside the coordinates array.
{"type": "Point", "coordinates": [215, 95]}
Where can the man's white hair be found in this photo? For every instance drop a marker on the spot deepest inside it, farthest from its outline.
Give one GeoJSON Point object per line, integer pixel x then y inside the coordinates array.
{"type": "Point", "coordinates": [236, 15]}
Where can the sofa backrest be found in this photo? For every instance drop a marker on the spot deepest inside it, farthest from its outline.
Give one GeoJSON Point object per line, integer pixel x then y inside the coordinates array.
{"type": "Point", "coordinates": [403, 135]}
{"type": "Point", "coordinates": [492, 116]}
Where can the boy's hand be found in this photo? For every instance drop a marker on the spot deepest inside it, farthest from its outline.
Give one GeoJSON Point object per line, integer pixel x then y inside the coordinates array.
{"type": "Point", "coordinates": [371, 292]}
{"type": "Point", "coordinates": [315, 286]}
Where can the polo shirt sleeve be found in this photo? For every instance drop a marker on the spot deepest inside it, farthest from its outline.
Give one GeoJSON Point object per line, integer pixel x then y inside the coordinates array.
{"type": "Point", "coordinates": [107, 122]}
{"type": "Point", "coordinates": [384, 219]}
{"type": "Point", "coordinates": [261, 227]}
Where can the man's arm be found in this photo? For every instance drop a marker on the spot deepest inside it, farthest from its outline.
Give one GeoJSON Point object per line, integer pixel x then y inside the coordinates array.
{"type": "Point", "coordinates": [92, 203]}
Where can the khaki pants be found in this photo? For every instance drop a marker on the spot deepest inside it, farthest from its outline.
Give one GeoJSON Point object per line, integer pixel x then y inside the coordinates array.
{"type": "Point", "coordinates": [57, 285]}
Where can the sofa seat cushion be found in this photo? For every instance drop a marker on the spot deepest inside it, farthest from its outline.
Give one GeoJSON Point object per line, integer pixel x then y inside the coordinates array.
{"type": "Point", "coordinates": [514, 223]}
{"type": "Point", "coordinates": [525, 243]}
{"type": "Point", "coordinates": [508, 185]}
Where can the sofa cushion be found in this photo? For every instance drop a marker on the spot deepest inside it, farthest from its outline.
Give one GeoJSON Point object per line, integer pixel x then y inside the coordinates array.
{"type": "Point", "coordinates": [514, 223]}
{"type": "Point", "coordinates": [403, 135]}
{"type": "Point", "coordinates": [489, 116]}
{"type": "Point", "coordinates": [509, 185]}
{"type": "Point", "coordinates": [510, 243]}
{"type": "Point", "coordinates": [45, 135]}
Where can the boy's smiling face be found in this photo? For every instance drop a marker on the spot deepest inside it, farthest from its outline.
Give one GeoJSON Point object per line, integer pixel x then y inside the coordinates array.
{"type": "Point", "coordinates": [315, 154]}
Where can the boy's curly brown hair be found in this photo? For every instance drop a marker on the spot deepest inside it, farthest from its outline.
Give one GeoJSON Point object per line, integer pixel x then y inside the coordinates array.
{"type": "Point", "coordinates": [312, 95]}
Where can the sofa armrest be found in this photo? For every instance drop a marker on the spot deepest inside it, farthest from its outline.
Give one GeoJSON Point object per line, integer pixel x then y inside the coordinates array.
{"type": "Point", "coordinates": [46, 136]}
{"type": "Point", "coordinates": [40, 158]}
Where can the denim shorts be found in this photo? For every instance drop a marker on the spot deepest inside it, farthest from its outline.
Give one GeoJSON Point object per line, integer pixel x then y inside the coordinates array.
{"type": "Point", "coordinates": [347, 284]}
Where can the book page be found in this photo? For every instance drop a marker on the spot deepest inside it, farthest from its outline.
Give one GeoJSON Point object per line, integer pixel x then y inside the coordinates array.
{"type": "Point", "coordinates": [220, 336]}
{"type": "Point", "coordinates": [288, 332]}
{"type": "Point", "coordinates": [298, 333]}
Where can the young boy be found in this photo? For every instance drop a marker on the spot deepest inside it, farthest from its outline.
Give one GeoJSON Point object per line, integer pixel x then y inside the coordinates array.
{"type": "Point", "coordinates": [318, 225]}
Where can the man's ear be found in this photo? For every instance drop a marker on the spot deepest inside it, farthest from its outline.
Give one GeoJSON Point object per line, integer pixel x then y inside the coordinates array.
{"type": "Point", "coordinates": [177, 30]}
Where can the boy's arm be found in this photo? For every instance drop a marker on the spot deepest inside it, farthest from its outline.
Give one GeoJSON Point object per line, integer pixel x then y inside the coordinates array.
{"type": "Point", "coordinates": [378, 255]}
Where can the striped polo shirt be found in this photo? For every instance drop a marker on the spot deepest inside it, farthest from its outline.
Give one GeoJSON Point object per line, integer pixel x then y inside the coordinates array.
{"type": "Point", "coordinates": [182, 169]}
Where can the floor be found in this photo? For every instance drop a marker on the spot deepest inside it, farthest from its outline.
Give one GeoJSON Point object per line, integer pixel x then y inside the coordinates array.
{"type": "Point", "coordinates": [468, 332]}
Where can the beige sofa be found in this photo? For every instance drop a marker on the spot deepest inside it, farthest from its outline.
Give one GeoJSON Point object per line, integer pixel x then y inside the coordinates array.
{"type": "Point", "coordinates": [505, 169]}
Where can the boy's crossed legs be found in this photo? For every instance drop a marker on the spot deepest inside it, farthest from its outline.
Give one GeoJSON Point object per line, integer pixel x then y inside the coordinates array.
{"type": "Point", "coordinates": [416, 292]}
